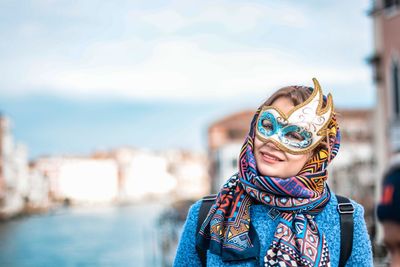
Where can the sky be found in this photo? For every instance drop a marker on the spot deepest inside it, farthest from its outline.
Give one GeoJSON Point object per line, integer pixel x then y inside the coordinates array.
{"type": "Point", "coordinates": [77, 76]}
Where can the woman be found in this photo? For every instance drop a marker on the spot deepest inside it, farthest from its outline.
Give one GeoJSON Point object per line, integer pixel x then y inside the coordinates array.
{"type": "Point", "coordinates": [278, 210]}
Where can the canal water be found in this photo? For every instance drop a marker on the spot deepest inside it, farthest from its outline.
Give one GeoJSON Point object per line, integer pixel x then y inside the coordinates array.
{"type": "Point", "coordinates": [102, 236]}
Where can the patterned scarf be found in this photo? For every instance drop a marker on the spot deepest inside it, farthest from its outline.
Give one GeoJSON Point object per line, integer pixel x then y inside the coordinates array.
{"type": "Point", "coordinates": [227, 230]}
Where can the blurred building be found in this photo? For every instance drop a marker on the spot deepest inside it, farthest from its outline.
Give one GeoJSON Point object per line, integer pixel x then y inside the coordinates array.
{"type": "Point", "coordinates": [125, 175]}
{"type": "Point", "coordinates": [48, 168]}
{"type": "Point", "coordinates": [225, 138]}
{"type": "Point", "coordinates": [386, 63]}
{"type": "Point", "coordinates": [353, 171]}
{"type": "Point", "coordinates": [80, 180]}
{"type": "Point", "coordinates": [170, 174]}
{"type": "Point", "coordinates": [14, 171]}
{"type": "Point", "coordinates": [145, 175]}
{"type": "Point", "coordinates": [190, 172]}
{"type": "Point", "coordinates": [38, 197]}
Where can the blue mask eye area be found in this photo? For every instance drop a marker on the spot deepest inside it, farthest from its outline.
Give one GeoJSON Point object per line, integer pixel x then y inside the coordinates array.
{"type": "Point", "coordinates": [267, 124]}
{"type": "Point", "coordinates": [295, 136]}
{"type": "Point", "coordinates": [290, 135]}
{"type": "Point", "coordinates": [294, 133]}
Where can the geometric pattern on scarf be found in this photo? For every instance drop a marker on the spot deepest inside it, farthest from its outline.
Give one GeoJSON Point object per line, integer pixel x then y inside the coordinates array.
{"type": "Point", "coordinates": [305, 246]}
{"type": "Point", "coordinates": [228, 232]}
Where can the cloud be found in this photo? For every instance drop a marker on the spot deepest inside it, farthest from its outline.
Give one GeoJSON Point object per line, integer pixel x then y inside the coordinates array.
{"type": "Point", "coordinates": [181, 50]}
{"type": "Point", "coordinates": [182, 70]}
{"type": "Point", "coordinates": [231, 17]}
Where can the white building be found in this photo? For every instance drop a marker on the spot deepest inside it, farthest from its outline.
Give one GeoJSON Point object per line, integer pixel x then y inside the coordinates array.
{"type": "Point", "coordinates": [190, 170]}
{"type": "Point", "coordinates": [125, 175]}
{"type": "Point", "coordinates": [39, 188]}
{"type": "Point", "coordinates": [80, 180]}
{"type": "Point", "coordinates": [226, 163]}
{"type": "Point", "coordinates": [172, 174]}
{"type": "Point", "coordinates": [88, 180]}
{"type": "Point", "coordinates": [225, 139]}
{"type": "Point", "coordinates": [147, 175]}
{"type": "Point", "coordinates": [14, 171]}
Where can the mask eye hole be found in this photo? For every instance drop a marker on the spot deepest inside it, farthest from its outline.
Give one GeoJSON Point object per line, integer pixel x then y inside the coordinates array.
{"type": "Point", "coordinates": [267, 124]}
{"type": "Point", "coordinates": [294, 136]}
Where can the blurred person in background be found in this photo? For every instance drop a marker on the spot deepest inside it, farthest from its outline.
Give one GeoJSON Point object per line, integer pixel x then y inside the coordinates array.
{"type": "Point", "coordinates": [278, 209]}
{"type": "Point", "coordinates": [389, 213]}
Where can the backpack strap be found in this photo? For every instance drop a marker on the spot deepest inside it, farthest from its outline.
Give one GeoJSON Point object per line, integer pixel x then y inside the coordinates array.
{"type": "Point", "coordinates": [346, 210]}
{"type": "Point", "coordinates": [205, 207]}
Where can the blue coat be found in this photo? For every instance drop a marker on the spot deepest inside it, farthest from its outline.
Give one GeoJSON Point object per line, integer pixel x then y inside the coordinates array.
{"type": "Point", "coordinates": [328, 221]}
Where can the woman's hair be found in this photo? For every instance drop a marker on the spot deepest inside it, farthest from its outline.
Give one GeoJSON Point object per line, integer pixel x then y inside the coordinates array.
{"type": "Point", "coordinates": [297, 94]}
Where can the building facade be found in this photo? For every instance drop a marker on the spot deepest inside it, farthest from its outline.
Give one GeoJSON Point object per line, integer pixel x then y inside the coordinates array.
{"type": "Point", "coordinates": [14, 172]}
{"type": "Point", "coordinates": [168, 175]}
{"type": "Point", "coordinates": [386, 64]}
{"type": "Point", "coordinates": [225, 139]}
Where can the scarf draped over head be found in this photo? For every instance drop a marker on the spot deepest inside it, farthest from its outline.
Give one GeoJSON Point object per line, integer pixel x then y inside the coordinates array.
{"type": "Point", "coordinates": [228, 231]}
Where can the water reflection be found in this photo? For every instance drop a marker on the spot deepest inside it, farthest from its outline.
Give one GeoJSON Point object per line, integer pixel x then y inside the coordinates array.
{"type": "Point", "coordinates": [102, 236]}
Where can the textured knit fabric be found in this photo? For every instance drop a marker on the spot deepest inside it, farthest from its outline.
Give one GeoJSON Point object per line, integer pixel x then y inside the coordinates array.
{"type": "Point", "coordinates": [328, 221]}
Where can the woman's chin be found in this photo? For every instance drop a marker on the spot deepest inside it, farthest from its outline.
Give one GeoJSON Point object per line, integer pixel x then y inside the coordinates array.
{"type": "Point", "coordinates": [269, 171]}
{"type": "Point", "coordinates": [274, 172]}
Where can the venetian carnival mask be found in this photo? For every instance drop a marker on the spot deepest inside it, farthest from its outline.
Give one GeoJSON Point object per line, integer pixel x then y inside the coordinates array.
{"type": "Point", "coordinates": [302, 129]}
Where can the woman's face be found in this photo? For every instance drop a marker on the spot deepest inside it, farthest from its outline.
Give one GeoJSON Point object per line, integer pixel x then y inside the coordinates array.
{"type": "Point", "coordinates": [271, 161]}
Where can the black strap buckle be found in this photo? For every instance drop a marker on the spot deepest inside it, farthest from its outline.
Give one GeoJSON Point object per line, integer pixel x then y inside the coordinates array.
{"type": "Point", "coordinates": [345, 208]}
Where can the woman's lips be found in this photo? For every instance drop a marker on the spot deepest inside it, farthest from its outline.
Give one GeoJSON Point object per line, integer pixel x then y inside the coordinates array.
{"type": "Point", "coordinates": [269, 158]}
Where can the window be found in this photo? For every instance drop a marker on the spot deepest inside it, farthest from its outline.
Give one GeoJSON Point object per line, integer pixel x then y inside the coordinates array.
{"type": "Point", "coordinates": [236, 134]}
{"type": "Point", "coordinates": [234, 163]}
{"type": "Point", "coordinates": [396, 89]}
{"type": "Point", "coordinates": [391, 3]}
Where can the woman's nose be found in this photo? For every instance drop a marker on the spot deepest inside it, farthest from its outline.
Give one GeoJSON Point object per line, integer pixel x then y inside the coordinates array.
{"type": "Point", "coordinates": [271, 145]}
